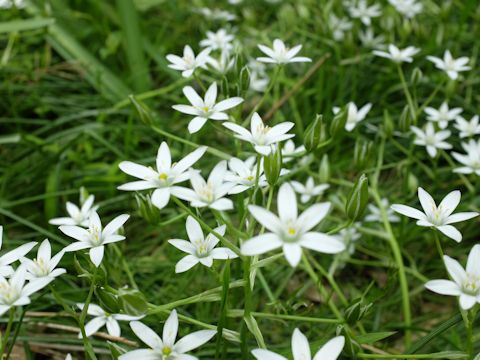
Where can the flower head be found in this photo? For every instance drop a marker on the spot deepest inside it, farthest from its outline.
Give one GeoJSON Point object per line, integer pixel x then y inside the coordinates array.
{"type": "Point", "coordinates": [443, 115]}
{"type": "Point", "coordinates": [262, 137]}
{"type": "Point", "coordinates": [280, 54]}
{"type": "Point", "coordinates": [164, 178]}
{"type": "Point", "coordinates": [375, 215]}
{"type": "Point", "coordinates": [166, 347]}
{"type": "Point", "coordinates": [369, 39]}
{"type": "Point", "coordinates": [12, 255]}
{"type": "Point", "coordinates": [354, 114]}
{"type": "Point", "coordinates": [78, 215]}
{"type": "Point", "coordinates": [223, 64]}
{"type": "Point", "coordinates": [465, 283]}
{"type": "Point", "coordinates": [220, 40]}
{"type": "Point", "coordinates": [430, 139]}
{"type": "Point", "coordinates": [188, 63]}
{"type": "Point", "coordinates": [301, 349]}
{"type": "Point", "coordinates": [290, 151]}
{"type": "Point", "coordinates": [207, 108]}
{"type": "Point", "coordinates": [470, 160]}
{"type": "Point", "coordinates": [95, 237]}
{"type": "Point", "coordinates": [339, 26]}
{"type": "Point", "coordinates": [289, 230]}
{"type": "Point", "coordinates": [200, 249]}
{"type": "Point", "coordinates": [365, 13]}
{"type": "Point", "coordinates": [44, 265]}
{"type": "Point", "coordinates": [440, 217]}
{"type": "Point", "coordinates": [243, 175]}
{"type": "Point", "coordinates": [308, 190]}
{"type": "Point", "coordinates": [450, 65]}
{"type": "Point", "coordinates": [467, 128]}
{"type": "Point", "coordinates": [397, 55]}
{"type": "Point", "coordinates": [408, 8]}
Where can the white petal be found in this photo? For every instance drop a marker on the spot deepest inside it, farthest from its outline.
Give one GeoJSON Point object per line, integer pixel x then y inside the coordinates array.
{"type": "Point", "coordinates": [170, 329]}
{"type": "Point", "coordinates": [147, 335]}
{"type": "Point", "coordinates": [331, 350]}
{"type": "Point", "coordinates": [467, 301]}
{"type": "Point", "coordinates": [408, 211]}
{"type": "Point", "coordinates": [287, 203]}
{"type": "Point", "coordinates": [194, 340]}
{"type": "Point", "coordinates": [293, 253]}
{"type": "Point", "coordinates": [186, 263]}
{"type": "Point", "coordinates": [115, 224]}
{"type": "Point", "coordinates": [94, 325]}
{"type": "Point", "coordinates": [451, 232]}
{"type": "Point", "coordinates": [136, 170]}
{"type": "Point", "coordinates": [266, 218]}
{"type": "Point", "coordinates": [462, 216]}
{"type": "Point", "coordinates": [322, 243]}
{"type": "Point", "coordinates": [300, 346]}
{"type": "Point", "coordinates": [164, 159]}
{"type": "Point", "coordinates": [261, 354]}
{"type": "Point", "coordinates": [260, 244]}
{"type": "Point", "coordinates": [450, 202]}
{"type": "Point", "coordinates": [161, 197]}
{"type": "Point", "coordinates": [313, 215]}
{"type": "Point", "coordinates": [143, 354]}
{"type": "Point", "coordinates": [196, 124]}
{"type": "Point", "coordinates": [96, 255]}
{"type": "Point", "coordinates": [113, 327]}
{"type": "Point", "coordinates": [456, 271]}
{"type": "Point", "coordinates": [427, 202]}
{"type": "Point", "coordinates": [75, 232]}
{"type": "Point", "coordinates": [443, 287]}
{"type": "Point", "coordinates": [473, 262]}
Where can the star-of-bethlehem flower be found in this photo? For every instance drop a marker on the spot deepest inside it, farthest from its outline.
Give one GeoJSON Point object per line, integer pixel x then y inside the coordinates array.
{"type": "Point", "coordinates": [101, 318]}
{"type": "Point", "coordinates": [408, 8]}
{"type": "Point", "coordinates": [95, 237]}
{"type": "Point", "coordinates": [15, 292]}
{"type": "Point", "coordinates": [301, 349]}
{"type": "Point", "coordinates": [368, 39]}
{"type": "Point", "coordinates": [365, 13]}
{"type": "Point", "coordinates": [354, 114]}
{"type": "Point", "coordinates": [338, 26]}
{"type": "Point", "coordinates": [466, 282]}
{"type": "Point", "coordinates": [208, 193]}
{"type": "Point", "coordinates": [397, 55]}
{"type": "Point", "coordinates": [450, 65]}
{"type": "Point", "coordinates": [78, 215]}
{"type": "Point", "coordinates": [470, 160]}
{"type": "Point", "coordinates": [443, 115]}
{"type": "Point", "coordinates": [308, 190]}
{"type": "Point", "coordinates": [220, 40]}
{"type": "Point", "coordinates": [223, 64]}
{"type": "Point", "coordinates": [280, 54]}
{"type": "Point", "coordinates": [467, 128]}
{"type": "Point", "coordinates": [13, 255]}
{"type": "Point", "coordinates": [430, 139]}
{"type": "Point", "coordinates": [189, 62]}
{"type": "Point", "coordinates": [166, 347]}
{"type": "Point", "coordinates": [289, 230]}
{"type": "Point", "coordinates": [440, 217]}
{"type": "Point", "coordinates": [44, 265]}
{"type": "Point", "coordinates": [165, 178]}
{"type": "Point", "coordinates": [243, 175]}
{"type": "Point", "coordinates": [200, 249]}
{"type": "Point", "coordinates": [262, 137]}
{"type": "Point", "coordinates": [205, 109]}
{"type": "Point", "coordinates": [375, 215]}
{"type": "Point", "coordinates": [290, 151]}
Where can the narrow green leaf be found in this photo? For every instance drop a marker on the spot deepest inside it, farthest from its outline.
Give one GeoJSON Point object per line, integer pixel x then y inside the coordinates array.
{"type": "Point", "coordinates": [23, 25]}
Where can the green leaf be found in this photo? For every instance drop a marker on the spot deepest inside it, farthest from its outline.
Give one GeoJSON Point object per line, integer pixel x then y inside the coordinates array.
{"type": "Point", "coordinates": [374, 337]}
{"type": "Point", "coordinates": [23, 25]}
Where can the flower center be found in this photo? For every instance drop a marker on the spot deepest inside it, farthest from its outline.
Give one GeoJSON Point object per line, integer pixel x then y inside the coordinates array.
{"type": "Point", "coordinates": [8, 293]}
{"type": "Point", "coordinates": [95, 235]}
{"type": "Point", "coordinates": [207, 193]}
{"type": "Point", "coordinates": [250, 177]}
{"type": "Point", "coordinates": [471, 285]}
{"type": "Point", "coordinates": [167, 350]}
{"type": "Point", "coordinates": [41, 268]}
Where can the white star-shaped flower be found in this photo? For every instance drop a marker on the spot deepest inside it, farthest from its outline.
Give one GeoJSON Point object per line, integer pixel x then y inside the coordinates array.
{"type": "Point", "coordinates": [262, 137]}
{"type": "Point", "coordinates": [398, 55]}
{"type": "Point", "coordinates": [280, 54]}
{"type": "Point", "coordinates": [164, 178]}
{"type": "Point", "coordinates": [301, 349]}
{"type": "Point", "coordinates": [189, 62]}
{"type": "Point", "coordinates": [308, 190]}
{"type": "Point", "coordinates": [365, 13]}
{"type": "Point", "coordinates": [44, 265]}
{"type": "Point", "coordinates": [95, 237]}
{"type": "Point", "coordinates": [450, 65]}
{"type": "Point", "coordinates": [466, 282]}
{"type": "Point", "coordinates": [200, 249]}
{"type": "Point", "coordinates": [339, 26]}
{"type": "Point", "coordinates": [78, 215]}
{"type": "Point", "coordinates": [408, 8]}
{"type": "Point", "coordinates": [439, 217]}
{"type": "Point", "coordinates": [443, 115]}
{"type": "Point", "coordinates": [290, 151]}
{"type": "Point", "coordinates": [166, 348]}
{"type": "Point", "coordinates": [223, 64]}
{"type": "Point", "coordinates": [243, 175]}
{"type": "Point", "coordinates": [220, 40]}
{"type": "Point", "coordinates": [375, 215]}
{"type": "Point", "coordinates": [207, 108]}
{"type": "Point", "coordinates": [467, 128]}
{"type": "Point", "coordinates": [354, 114]}
{"type": "Point", "coordinates": [470, 160]}
{"type": "Point", "coordinates": [290, 231]}
{"type": "Point", "coordinates": [430, 139]}
{"type": "Point", "coordinates": [11, 256]}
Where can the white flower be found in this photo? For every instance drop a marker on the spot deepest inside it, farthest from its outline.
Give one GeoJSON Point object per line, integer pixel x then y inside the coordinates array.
{"type": "Point", "coordinates": [301, 349]}
{"type": "Point", "coordinates": [375, 214]}
{"type": "Point", "coordinates": [430, 139]}
{"type": "Point", "coordinates": [7, 4]}
{"type": "Point", "coordinates": [280, 54]}
{"type": "Point", "coordinates": [243, 175]}
{"type": "Point", "coordinates": [338, 26]}
{"type": "Point", "coordinates": [223, 65]}
{"type": "Point", "coordinates": [443, 115]}
{"type": "Point", "coordinates": [260, 136]}
{"type": "Point", "coordinates": [290, 231]}
{"type": "Point", "coordinates": [217, 14]}
{"type": "Point", "coordinates": [44, 265]}
{"type": "Point", "coordinates": [364, 12]}
{"type": "Point", "coordinates": [166, 348]}
{"type": "Point", "coordinates": [369, 39]}
{"type": "Point", "coordinates": [467, 128]}
{"type": "Point", "coordinates": [397, 55]}
{"type": "Point", "coordinates": [220, 40]}
{"type": "Point", "coordinates": [349, 236]}
{"type": "Point", "coordinates": [208, 193]}
{"type": "Point", "coordinates": [95, 237]}
{"type": "Point", "coordinates": [439, 217]}
{"type": "Point", "coordinates": [470, 160]}
{"type": "Point", "coordinates": [12, 256]}
{"type": "Point", "coordinates": [14, 291]}
{"type": "Point", "coordinates": [164, 179]}
{"type": "Point", "coordinates": [450, 65]}
{"type": "Point", "coordinates": [465, 284]}
{"type": "Point", "coordinates": [78, 216]}
{"type": "Point", "coordinates": [354, 115]}
{"type": "Point", "coordinates": [408, 8]}
{"type": "Point", "coordinates": [101, 318]}
{"type": "Point", "coordinates": [204, 109]}
{"type": "Point", "coordinates": [189, 62]}
{"type": "Point", "coordinates": [308, 190]}
{"type": "Point", "coordinates": [289, 151]}
{"type": "Point", "coordinates": [258, 83]}
{"type": "Point", "coordinates": [200, 249]}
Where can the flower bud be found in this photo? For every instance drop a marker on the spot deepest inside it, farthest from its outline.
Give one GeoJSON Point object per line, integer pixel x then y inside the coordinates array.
{"type": "Point", "coordinates": [315, 134]}
{"type": "Point", "coordinates": [416, 76]}
{"type": "Point", "coordinates": [142, 109]}
{"type": "Point", "coordinates": [338, 123]}
{"type": "Point", "coordinates": [224, 88]}
{"type": "Point", "coordinates": [388, 126]}
{"type": "Point", "coordinates": [357, 311]}
{"type": "Point", "coordinates": [361, 152]}
{"type": "Point", "coordinates": [132, 302]}
{"type": "Point", "coordinates": [357, 199]}
{"type": "Point", "coordinates": [412, 183]}
{"type": "Point", "coordinates": [244, 82]}
{"type": "Point", "coordinates": [324, 171]}
{"type": "Point", "coordinates": [405, 119]}
{"type": "Point", "coordinates": [272, 165]}
{"type": "Point", "coordinates": [107, 300]}
{"type": "Point", "coordinates": [83, 195]}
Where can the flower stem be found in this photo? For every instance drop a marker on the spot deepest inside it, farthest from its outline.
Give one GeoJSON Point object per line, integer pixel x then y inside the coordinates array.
{"type": "Point", "coordinates": [438, 244]}
{"type": "Point", "coordinates": [7, 332]}
{"type": "Point", "coordinates": [83, 315]}
{"type": "Point", "coordinates": [16, 332]}
{"type": "Point", "coordinates": [407, 93]}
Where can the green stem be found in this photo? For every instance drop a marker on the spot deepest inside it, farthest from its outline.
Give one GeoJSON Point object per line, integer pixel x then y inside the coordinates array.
{"type": "Point", "coordinates": [16, 332]}
{"type": "Point", "coordinates": [407, 92]}
{"type": "Point", "coordinates": [7, 332]}
{"type": "Point", "coordinates": [83, 315]}
{"type": "Point", "coordinates": [438, 244]}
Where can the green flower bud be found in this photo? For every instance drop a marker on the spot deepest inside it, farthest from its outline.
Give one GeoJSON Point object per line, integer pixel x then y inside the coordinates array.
{"type": "Point", "coordinates": [416, 76]}
{"type": "Point", "coordinates": [361, 152]}
{"type": "Point", "coordinates": [412, 183]}
{"type": "Point", "coordinates": [224, 87]}
{"type": "Point", "coordinates": [132, 302]}
{"type": "Point", "coordinates": [244, 82]}
{"type": "Point", "coordinates": [405, 119]}
{"type": "Point", "coordinates": [357, 311]}
{"type": "Point", "coordinates": [83, 195]}
{"type": "Point", "coordinates": [315, 134]}
{"type": "Point", "coordinates": [388, 125]}
{"type": "Point", "coordinates": [324, 171]}
{"type": "Point", "coordinates": [357, 199]}
{"type": "Point", "coordinates": [272, 165]}
{"type": "Point", "coordinates": [142, 109]}
{"type": "Point", "coordinates": [107, 300]}
{"type": "Point", "coordinates": [338, 123]}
